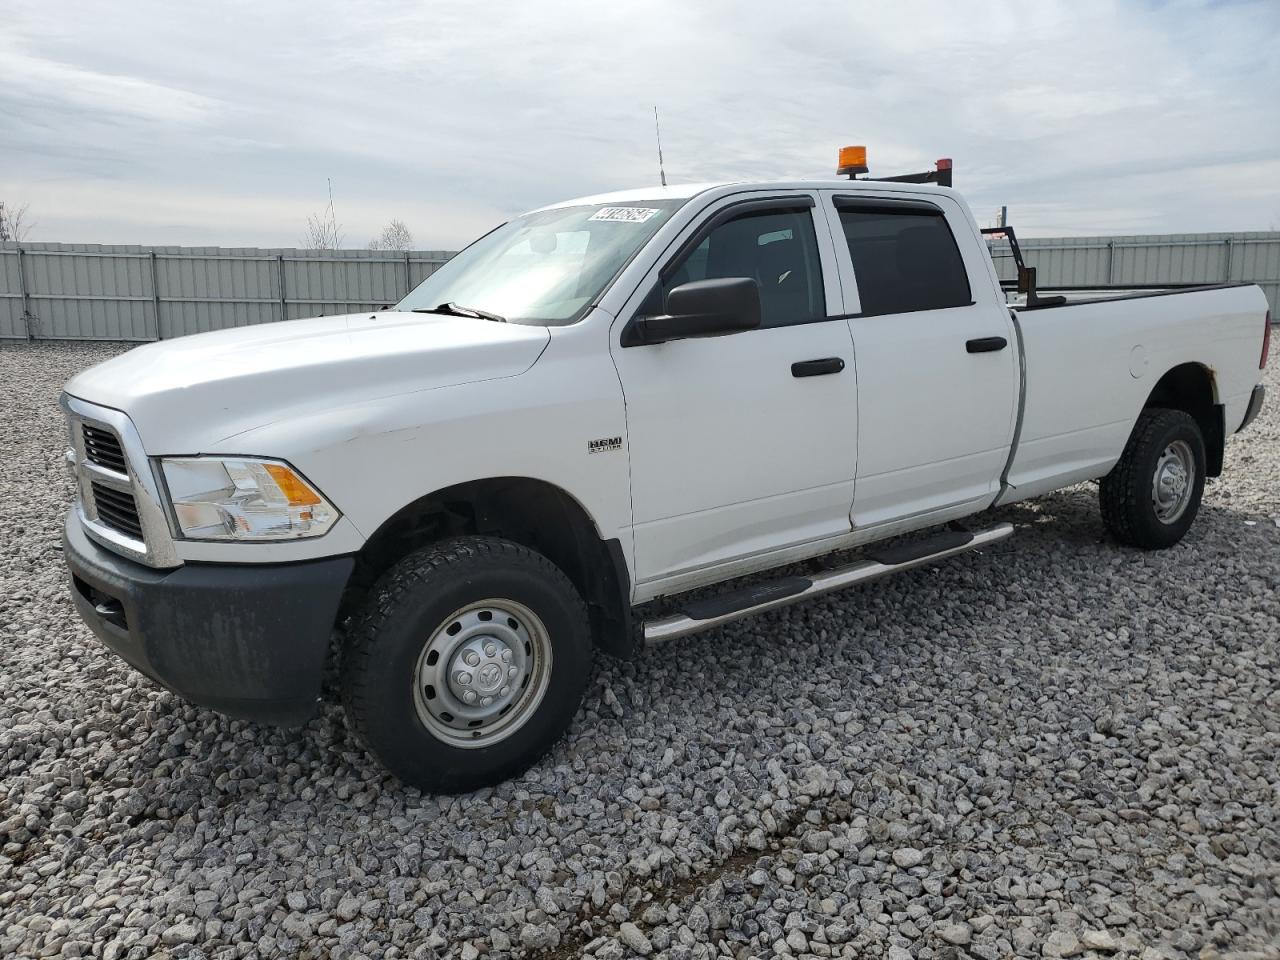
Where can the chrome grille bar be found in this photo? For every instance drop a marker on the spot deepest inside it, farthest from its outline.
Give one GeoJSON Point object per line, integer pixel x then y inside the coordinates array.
{"type": "Point", "coordinates": [103, 448]}
{"type": "Point", "coordinates": [117, 509]}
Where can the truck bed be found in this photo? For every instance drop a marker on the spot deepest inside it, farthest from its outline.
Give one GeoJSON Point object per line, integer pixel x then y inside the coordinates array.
{"type": "Point", "coordinates": [1084, 382]}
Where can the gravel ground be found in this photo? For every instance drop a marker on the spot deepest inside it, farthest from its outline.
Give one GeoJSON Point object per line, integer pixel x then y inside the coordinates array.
{"type": "Point", "coordinates": [1053, 748]}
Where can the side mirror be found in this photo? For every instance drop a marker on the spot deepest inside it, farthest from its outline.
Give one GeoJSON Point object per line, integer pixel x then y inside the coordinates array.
{"type": "Point", "coordinates": [703, 308]}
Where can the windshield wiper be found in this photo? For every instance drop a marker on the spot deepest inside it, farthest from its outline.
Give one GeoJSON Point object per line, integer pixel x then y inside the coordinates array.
{"type": "Point", "coordinates": [457, 310]}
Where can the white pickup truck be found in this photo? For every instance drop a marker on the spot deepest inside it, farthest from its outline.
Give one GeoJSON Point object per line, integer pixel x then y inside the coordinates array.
{"type": "Point", "coordinates": [453, 502]}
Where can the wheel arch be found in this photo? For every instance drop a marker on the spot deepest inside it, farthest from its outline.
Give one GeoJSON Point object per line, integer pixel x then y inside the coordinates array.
{"type": "Point", "coordinates": [534, 513]}
{"type": "Point", "coordinates": [1193, 388]}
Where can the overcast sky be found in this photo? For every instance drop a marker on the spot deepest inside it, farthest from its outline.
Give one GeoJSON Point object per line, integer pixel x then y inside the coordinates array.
{"type": "Point", "coordinates": [218, 123]}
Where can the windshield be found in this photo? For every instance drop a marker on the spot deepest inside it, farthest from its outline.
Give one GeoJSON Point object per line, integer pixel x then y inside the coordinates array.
{"type": "Point", "coordinates": [544, 268]}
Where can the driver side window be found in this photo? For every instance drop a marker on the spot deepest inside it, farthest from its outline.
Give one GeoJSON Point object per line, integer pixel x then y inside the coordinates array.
{"type": "Point", "coordinates": [776, 247]}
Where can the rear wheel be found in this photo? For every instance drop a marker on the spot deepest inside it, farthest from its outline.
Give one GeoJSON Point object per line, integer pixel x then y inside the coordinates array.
{"type": "Point", "coordinates": [1152, 495]}
{"type": "Point", "coordinates": [467, 663]}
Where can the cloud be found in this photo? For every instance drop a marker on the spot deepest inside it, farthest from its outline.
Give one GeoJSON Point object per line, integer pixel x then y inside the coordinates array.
{"type": "Point", "coordinates": [221, 123]}
{"type": "Point", "coordinates": [55, 85]}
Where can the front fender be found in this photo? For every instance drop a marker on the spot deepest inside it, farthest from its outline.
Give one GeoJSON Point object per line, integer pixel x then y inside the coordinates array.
{"type": "Point", "coordinates": [373, 458]}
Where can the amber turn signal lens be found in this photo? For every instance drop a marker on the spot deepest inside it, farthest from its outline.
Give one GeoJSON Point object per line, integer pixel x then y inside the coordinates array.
{"type": "Point", "coordinates": [297, 492]}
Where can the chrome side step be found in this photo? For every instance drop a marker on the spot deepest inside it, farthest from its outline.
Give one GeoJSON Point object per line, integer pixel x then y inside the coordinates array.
{"type": "Point", "coordinates": [700, 615]}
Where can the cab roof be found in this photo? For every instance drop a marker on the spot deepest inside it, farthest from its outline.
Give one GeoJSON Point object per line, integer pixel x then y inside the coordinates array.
{"type": "Point", "coordinates": [685, 191]}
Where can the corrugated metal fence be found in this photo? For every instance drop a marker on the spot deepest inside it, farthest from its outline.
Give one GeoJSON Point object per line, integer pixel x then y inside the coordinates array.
{"type": "Point", "coordinates": [1159, 258]}
{"type": "Point", "coordinates": [94, 292]}
{"type": "Point", "coordinates": [77, 291]}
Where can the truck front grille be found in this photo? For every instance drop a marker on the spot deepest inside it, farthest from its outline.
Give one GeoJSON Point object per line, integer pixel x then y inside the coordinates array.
{"type": "Point", "coordinates": [103, 448]}
{"type": "Point", "coordinates": [117, 509]}
{"type": "Point", "coordinates": [119, 505]}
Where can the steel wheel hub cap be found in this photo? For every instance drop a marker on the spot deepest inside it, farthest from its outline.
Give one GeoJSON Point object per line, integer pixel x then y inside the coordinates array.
{"type": "Point", "coordinates": [482, 673]}
{"type": "Point", "coordinates": [485, 668]}
{"type": "Point", "coordinates": [1173, 481]}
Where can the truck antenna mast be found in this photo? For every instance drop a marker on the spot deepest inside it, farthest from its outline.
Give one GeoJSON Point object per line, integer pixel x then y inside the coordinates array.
{"type": "Point", "coordinates": [657, 131]}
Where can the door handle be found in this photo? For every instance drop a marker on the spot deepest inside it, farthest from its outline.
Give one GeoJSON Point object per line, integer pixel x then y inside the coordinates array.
{"type": "Point", "coordinates": [986, 344]}
{"type": "Point", "coordinates": [817, 368]}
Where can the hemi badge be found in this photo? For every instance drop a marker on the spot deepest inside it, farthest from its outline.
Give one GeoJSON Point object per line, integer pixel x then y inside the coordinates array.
{"type": "Point", "coordinates": [604, 445]}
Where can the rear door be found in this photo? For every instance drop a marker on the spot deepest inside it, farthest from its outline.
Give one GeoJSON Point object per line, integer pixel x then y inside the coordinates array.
{"type": "Point", "coordinates": [936, 352]}
{"type": "Point", "coordinates": [746, 443]}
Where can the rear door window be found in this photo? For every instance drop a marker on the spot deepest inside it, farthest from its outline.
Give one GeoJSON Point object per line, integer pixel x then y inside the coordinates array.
{"type": "Point", "coordinates": [904, 256]}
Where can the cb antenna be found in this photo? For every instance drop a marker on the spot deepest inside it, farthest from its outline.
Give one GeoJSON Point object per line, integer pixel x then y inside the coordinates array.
{"type": "Point", "coordinates": [662, 174]}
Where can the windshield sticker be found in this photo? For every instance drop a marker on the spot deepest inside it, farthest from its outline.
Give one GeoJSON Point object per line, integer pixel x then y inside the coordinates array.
{"type": "Point", "coordinates": [624, 214]}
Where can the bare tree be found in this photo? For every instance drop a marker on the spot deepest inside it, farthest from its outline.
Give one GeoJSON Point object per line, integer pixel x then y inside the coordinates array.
{"type": "Point", "coordinates": [14, 224]}
{"type": "Point", "coordinates": [394, 236]}
{"type": "Point", "coordinates": [323, 230]}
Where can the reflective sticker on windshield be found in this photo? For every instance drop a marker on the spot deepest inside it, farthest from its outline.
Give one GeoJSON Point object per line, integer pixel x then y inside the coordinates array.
{"type": "Point", "coordinates": [624, 214]}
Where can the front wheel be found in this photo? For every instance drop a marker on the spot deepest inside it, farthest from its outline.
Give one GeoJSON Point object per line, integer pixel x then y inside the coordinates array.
{"type": "Point", "coordinates": [1152, 495]}
{"type": "Point", "coordinates": [466, 664]}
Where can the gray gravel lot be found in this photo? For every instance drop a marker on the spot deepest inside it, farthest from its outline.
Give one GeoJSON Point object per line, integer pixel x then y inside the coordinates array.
{"type": "Point", "coordinates": [1055, 747]}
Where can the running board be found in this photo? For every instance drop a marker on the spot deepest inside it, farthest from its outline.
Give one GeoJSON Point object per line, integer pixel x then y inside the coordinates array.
{"type": "Point", "coordinates": [700, 615]}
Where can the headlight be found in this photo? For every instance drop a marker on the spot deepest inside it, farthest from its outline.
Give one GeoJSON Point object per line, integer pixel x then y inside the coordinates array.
{"type": "Point", "coordinates": [237, 498]}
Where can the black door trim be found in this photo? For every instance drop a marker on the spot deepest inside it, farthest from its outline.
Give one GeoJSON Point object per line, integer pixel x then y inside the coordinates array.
{"type": "Point", "coordinates": [873, 204]}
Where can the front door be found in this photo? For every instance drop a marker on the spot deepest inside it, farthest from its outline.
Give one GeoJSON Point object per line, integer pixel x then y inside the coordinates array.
{"type": "Point", "coordinates": [739, 444]}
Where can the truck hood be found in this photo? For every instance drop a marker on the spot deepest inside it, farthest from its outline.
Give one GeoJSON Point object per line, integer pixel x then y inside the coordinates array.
{"type": "Point", "coordinates": [186, 394]}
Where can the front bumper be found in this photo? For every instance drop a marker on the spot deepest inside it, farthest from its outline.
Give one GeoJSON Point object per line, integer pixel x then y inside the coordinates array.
{"type": "Point", "coordinates": [245, 640]}
{"type": "Point", "coordinates": [1255, 406]}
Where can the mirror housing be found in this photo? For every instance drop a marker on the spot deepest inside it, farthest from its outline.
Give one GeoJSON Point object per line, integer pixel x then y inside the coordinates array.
{"type": "Point", "coordinates": [702, 308]}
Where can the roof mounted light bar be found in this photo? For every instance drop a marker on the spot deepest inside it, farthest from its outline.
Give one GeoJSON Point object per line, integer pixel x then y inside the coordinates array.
{"type": "Point", "coordinates": [853, 161]}
{"type": "Point", "coordinates": [940, 174]}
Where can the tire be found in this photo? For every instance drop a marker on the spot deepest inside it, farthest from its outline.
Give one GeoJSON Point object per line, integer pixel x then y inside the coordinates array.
{"type": "Point", "coordinates": [1165, 448]}
{"type": "Point", "coordinates": [481, 608]}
